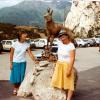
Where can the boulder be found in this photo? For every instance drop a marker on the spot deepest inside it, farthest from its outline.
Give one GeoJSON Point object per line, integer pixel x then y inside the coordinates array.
{"type": "Point", "coordinates": [37, 83]}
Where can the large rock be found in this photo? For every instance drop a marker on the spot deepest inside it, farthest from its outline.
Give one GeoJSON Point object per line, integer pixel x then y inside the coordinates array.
{"type": "Point", "coordinates": [37, 83]}
{"type": "Point", "coordinates": [42, 89]}
{"type": "Point", "coordinates": [84, 18]}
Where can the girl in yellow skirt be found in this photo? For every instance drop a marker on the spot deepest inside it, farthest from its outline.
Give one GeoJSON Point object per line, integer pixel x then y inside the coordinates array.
{"type": "Point", "coordinates": [63, 77]}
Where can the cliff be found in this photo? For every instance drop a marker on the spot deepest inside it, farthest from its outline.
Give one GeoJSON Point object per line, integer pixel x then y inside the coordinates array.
{"type": "Point", "coordinates": [84, 18]}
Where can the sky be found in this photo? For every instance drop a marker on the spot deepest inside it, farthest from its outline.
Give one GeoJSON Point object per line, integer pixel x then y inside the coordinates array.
{"type": "Point", "coordinates": [7, 3]}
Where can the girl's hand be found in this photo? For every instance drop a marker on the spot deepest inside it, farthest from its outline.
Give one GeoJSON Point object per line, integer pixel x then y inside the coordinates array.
{"type": "Point", "coordinates": [10, 66]}
{"type": "Point", "coordinates": [36, 62]}
{"type": "Point", "coordinates": [68, 73]}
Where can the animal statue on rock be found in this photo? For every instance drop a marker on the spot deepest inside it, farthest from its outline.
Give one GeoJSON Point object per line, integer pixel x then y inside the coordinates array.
{"type": "Point", "coordinates": [52, 27]}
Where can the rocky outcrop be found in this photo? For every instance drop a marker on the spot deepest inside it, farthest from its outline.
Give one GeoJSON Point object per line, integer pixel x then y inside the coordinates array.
{"type": "Point", "coordinates": [84, 18]}
{"type": "Point", "coordinates": [37, 83]}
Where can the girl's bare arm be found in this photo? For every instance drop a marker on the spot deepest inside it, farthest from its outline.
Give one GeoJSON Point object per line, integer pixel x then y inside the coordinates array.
{"type": "Point", "coordinates": [11, 57]}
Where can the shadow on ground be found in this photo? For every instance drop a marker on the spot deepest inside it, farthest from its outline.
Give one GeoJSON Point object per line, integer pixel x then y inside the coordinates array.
{"type": "Point", "coordinates": [6, 92]}
{"type": "Point", "coordinates": [88, 87]}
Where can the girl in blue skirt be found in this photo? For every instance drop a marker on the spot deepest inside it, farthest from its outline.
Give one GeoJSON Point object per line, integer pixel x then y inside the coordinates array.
{"type": "Point", "coordinates": [18, 60]}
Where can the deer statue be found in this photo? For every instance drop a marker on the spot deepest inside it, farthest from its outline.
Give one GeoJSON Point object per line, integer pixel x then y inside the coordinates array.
{"type": "Point", "coordinates": [52, 27]}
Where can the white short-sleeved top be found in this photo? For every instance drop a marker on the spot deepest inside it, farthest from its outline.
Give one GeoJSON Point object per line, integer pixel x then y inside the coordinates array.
{"type": "Point", "coordinates": [20, 51]}
{"type": "Point", "coordinates": [64, 51]}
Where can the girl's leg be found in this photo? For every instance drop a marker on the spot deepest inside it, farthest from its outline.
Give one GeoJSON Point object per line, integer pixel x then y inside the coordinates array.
{"type": "Point", "coordinates": [69, 95]}
{"type": "Point", "coordinates": [16, 87]}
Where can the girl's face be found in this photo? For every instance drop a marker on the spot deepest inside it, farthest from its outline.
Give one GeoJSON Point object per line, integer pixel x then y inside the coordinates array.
{"type": "Point", "coordinates": [64, 39]}
{"type": "Point", "coordinates": [24, 37]}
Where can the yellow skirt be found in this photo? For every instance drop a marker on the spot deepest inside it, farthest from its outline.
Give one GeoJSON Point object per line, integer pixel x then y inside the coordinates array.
{"type": "Point", "coordinates": [60, 80]}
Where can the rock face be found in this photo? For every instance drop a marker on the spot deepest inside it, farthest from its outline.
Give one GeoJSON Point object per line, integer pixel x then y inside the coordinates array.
{"type": "Point", "coordinates": [37, 83]}
{"type": "Point", "coordinates": [84, 18]}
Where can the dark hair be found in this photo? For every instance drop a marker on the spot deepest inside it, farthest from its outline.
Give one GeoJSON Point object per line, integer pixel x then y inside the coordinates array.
{"type": "Point", "coordinates": [20, 34]}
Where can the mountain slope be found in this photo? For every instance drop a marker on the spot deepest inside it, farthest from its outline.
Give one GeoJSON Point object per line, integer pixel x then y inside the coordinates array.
{"type": "Point", "coordinates": [31, 12]}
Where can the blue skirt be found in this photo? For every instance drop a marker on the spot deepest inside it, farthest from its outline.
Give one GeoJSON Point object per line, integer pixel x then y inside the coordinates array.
{"type": "Point", "coordinates": [17, 72]}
